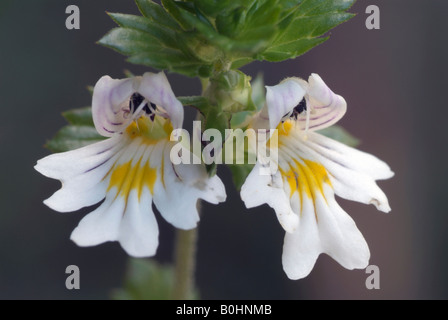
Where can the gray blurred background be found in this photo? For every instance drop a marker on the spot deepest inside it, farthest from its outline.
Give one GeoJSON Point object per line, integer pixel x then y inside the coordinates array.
{"type": "Point", "coordinates": [394, 80]}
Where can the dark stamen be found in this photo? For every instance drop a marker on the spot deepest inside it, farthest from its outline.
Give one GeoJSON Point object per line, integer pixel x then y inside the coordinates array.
{"type": "Point", "coordinates": [136, 100]}
{"type": "Point", "coordinates": [301, 107]}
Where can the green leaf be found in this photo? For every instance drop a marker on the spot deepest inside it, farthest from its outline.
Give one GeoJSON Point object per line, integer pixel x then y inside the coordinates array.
{"type": "Point", "coordinates": [228, 24]}
{"type": "Point", "coordinates": [162, 35]}
{"type": "Point", "coordinates": [338, 133]}
{"type": "Point", "coordinates": [291, 49]}
{"type": "Point", "coordinates": [314, 7]}
{"type": "Point", "coordinates": [198, 37]}
{"type": "Point", "coordinates": [213, 8]}
{"type": "Point", "coordinates": [258, 92]}
{"type": "Point", "coordinates": [173, 8]}
{"type": "Point", "coordinates": [73, 137]}
{"type": "Point", "coordinates": [81, 116]}
{"type": "Point", "coordinates": [131, 41]}
{"type": "Point", "coordinates": [172, 60]}
{"type": "Point", "coordinates": [146, 280]}
{"type": "Point", "coordinates": [216, 119]}
{"type": "Point", "coordinates": [311, 27]}
{"type": "Point", "coordinates": [79, 133]}
{"type": "Point", "coordinates": [302, 26]}
{"type": "Point", "coordinates": [157, 14]}
{"type": "Point", "coordinates": [232, 91]}
{"type": "Point", "coordinates": [241, 119]}
{"type": "Point", "coordinates": [198, 102]}
{"type": "Point", "coordinates": [240, 173]}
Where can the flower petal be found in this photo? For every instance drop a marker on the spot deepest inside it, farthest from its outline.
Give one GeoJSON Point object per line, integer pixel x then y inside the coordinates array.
{"type": "Point", "coordinates": [260, 189]}
{"type": "Point", "coordinates": [281, 99]}
{"type": "Point", "coordinates": [177, 192]}
{"type": "Point", "coordinates": [83, 173]}
{"type": "Point", "coordinates": [139, 231]}
{"type": "Point", "coordinates": [352, 172]}
{"type": "Point", "coordinates": [350, 157]}
{"type": "Point", "coordinates": [126, 214]}
{"type": "Point", "coordinates": [156, 88]}
{"type": "Point", "coordinates": [324, 228]}
{"type": "Point", "coordinates": [129, 221]}
{"type": "Point", "coordinates": [325, 107]}
{"type": "Point", "coordinates": [101, 225]}
{"type": "Point", "coordinates": [110, 104]}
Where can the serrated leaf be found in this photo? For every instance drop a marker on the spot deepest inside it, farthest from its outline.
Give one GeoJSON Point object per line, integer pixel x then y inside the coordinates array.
{"type": "Point", "coordinates": [79, 133]}
{"type": "Point", "coordinates": [173, 8]}
{"type": "Point", "coordinates": [193, 37]}
{"type": "Point", "coordinates": [313, 26]}
{"type": "Point", "coordinates": [213, 8]}
{"type": "Point", "coordinates": [157, 14]}
{"type": "Point", "coordinates": [302, 26]}
{"type": "Point", "coordinates": [198, 102]}
{"type": "Point", "coordinates": [73, 137]}
{"type": "Point", "coordinates": [80, 117]}
{"type": "Point", "coordinates": [163, 35]}
{"type": "Point", "coordinates": [314, 18]}
{"type": "Point", "coordinates": [315, 7]}
{"type": "Point", "coordinates": [338, 133]}
{"type": "Point", "coordinates": [171, 60]}
{"type": "Point", "coordinates": [228, 24]}
{"type": "Point", "coordinates": [291, 50]}
{"type": "Point", "coordinates": [130, 41]}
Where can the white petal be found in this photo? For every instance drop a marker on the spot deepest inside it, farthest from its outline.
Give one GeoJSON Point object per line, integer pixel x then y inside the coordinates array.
{"type": "Point", "coordinates": [326, 107]}
{"type": "Point", "coordinates": [129, 221]}
{"type": "Point", "coordinates": [101, 225]}
{"type": "Point", "coordinates": [281, 99]}
{"type": "Point", "coordinates": [177, 194]}
{"type": "Point", "coordinates": [341, 238]}
{"type": "Point", "coordinates": [110, 104]}
{"type": "Point", "coordinates": [352, 172]}
{"type": "Point", "coordinates": [126, 215]}
{"type": "Point", "coordinates": [302, 247]}
{"type": "Point", "coordinates": [350, 157]}
{"type": "Point", "coordinates": [260, 189]}
{"type": "Point", "coordinates": [65, 165]}
{"type": "Point", "coordinates": [83, 173]}
{"type": "Point", "coordinates": [324, 228]}
{"type": "Point", "coordinates": [157, 89]}
{"type": "Point", "coordinates": [139, 233]}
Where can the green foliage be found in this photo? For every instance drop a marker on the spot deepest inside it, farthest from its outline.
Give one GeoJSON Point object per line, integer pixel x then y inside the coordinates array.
{"type": "Point", "coordinates": [240, 173]}
{"type": "Point", "coordinates": [231, 91]}
{"type": "Point", "coordinates": [340, 134]}
{"type": "Point", "coordinates": [146, 280]}
{"type": "Point", "coordinates": [198, 37]}
{"type": "Point", "coordinates": [78, 133]}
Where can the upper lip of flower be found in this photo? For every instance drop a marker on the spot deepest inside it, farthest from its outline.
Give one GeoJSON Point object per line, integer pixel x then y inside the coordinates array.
{"type": "Point", "coordinates": [112, 102]}
{"type": "Point", "coordinates": [323, 107]}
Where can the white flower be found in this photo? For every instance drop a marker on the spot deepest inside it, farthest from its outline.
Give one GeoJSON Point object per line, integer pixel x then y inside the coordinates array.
{"type": "Point", "coordinates": [130, 170]}
{"type": "Point", "coordinates": [312, 169]}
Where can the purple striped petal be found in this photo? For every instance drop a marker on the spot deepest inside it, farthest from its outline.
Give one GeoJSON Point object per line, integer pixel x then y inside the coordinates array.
{"type": "Point", "coordinates": [326, 108]}
{"type": "Point", "coordinates": [110, 104]}
{"type": "Point", "coordinates": [282, 99]}
{"type": "Point", "coordinates": [156, 88]}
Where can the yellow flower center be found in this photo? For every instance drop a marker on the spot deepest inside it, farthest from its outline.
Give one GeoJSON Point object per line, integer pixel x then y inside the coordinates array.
{"type": "Point", "coordinates": [127, 177]}
{"type": "Point", "coordinates": [150, 131]}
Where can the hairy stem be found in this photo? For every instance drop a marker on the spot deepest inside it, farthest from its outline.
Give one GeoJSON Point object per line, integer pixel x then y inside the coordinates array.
{"type": "Point", "coordinates": [185, 260]}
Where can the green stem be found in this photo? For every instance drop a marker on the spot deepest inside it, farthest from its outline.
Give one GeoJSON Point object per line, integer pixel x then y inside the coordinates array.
{"type": "Point", "coordinates": [185, 260]}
